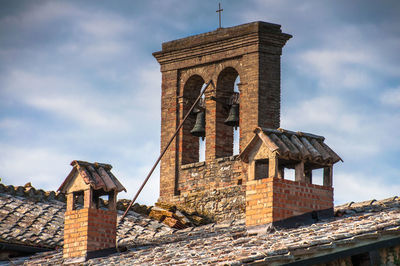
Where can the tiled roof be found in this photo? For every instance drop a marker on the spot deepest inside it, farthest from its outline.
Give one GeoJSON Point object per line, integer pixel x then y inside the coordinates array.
{"type": "Point", "coordinates": [294, 145]}
{"type": "Point", "coordinates": [29, 218]}
{"type": "Point", "coordinates": [31, 223]}
{"type": "Point", "coordinates": [230, 243]}
{"type": "Point", "coordinates": [98, 175]}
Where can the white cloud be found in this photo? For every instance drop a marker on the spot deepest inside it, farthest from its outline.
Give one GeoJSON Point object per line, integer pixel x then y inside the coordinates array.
{"type": "Point", "coordinates": [347, 131]}
{"type": "Point", "coordinates": [102, 50]}
{"type": "Point", "coordinates": [76, 109]}
{"type": "Point", "coordinates": [45, 167]}
{"type": "Point", "coordinates": [71, 99]}
{"type": "Point", "coordinates": [337, 69]}
{"type": "Point", "coordinates": [103, 34]}
{"type": "Point", "coordinates": [87, 32]}
{"type": "Point", "coordinates": [357, 186]}
{"type": "Point", "coordinates": [323, 111]}
{"type": "Point", "coordinates": [105, 26]}
{"type": "Point", "coordinates": [149, 91]}
{"type": "Point", "coordinates": [42, 13]}
{"type": "Point", "coordinates": [11, 124]}
{"type": "Point", "coordinates": [391, 97]}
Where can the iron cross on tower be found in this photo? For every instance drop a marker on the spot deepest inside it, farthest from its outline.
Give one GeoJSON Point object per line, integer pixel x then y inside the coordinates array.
{"type": "Point", "coordinates": [219, 14]}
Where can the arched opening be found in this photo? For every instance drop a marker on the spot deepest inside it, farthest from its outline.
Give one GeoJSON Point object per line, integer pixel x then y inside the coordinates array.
{"type": "Point", "coordinates": [202, 141]}
{"type": "Point", "coordinates": [236, 130]}
{"type": "Point", "coordinates": [227, 93]}
{"type": "Point", "coordinates": [189, 144]}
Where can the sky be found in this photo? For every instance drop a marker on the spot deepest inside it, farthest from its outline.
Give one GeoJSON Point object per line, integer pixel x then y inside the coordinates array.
{"type": "Point", "coordinates": [78, 82]}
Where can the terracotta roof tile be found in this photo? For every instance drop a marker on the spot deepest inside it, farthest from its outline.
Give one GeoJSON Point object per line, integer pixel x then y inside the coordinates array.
{"type": "Point", "coordinates": [40, 223]}
{"type": "Point", "coordinates": [32, 221]}
{"type": "Point", "coordinates": [98, 175]}
{"type": "Point", "coordinates": [294, 145]}
{"type": "Point", "coordinates": [230, 243]}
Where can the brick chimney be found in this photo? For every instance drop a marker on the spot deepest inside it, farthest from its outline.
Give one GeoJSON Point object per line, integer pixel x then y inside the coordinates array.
{"type": "Point", "coordinates": [88, 230]}
{"type": "Point", "coordinates": [271, 199]}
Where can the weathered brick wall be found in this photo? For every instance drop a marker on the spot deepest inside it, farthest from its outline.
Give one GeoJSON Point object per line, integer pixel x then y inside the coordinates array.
{"type": "Point", "coordinates": [270, 200]}
{"type": "Point", "coordinates": [88, 230]}
{"type": "Point", "coordinates": [219, 173]}
{"type": "Point", "coordinates": [168, 125]}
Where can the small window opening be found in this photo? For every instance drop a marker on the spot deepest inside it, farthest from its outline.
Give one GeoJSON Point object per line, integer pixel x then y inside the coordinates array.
{"type": "Point", "coordinates": [77, 200]}
{"type": "Point", "coordinates": [236, 131]}
{"type": "Point", "coordinates": [318, 176]}
{"type": "Point", "coordinates": [202, 141]}
{"type": "Point", "coordinates": [202, 149]}
{"type": "Point", "coordinates": [289, 174]}
{"type": "Point", "coordinates": [236, 139]}
{"type": "Point", "coordinates": [235, 86]}
{"type": "Point", "coordinates": [261, 169]}
{"type": "Point", "coordinates": [100, 199]}
{"type": "Point", "coordinates": [202, 88]}
{"type": "Point", "coordinates": [190, 150]}
{"type": "Point", "coordinates": [103, 201]}
{"type": "Point", "coordinates": [239, 182]}
{"type": "Point", "coordinates": [362, 259]}
{"type": "Point", "coordinates": [286, 169]}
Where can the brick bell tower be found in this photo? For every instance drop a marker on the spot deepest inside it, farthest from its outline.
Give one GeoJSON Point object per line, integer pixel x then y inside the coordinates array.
{"type": "Point", "coordinates": [252, 185]}
{"type": "Point", "coordinates": [251, 51]}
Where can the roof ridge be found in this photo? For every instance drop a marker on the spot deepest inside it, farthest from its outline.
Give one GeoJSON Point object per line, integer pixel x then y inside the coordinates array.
{"type": "Point", "coordinates": [289, 132]}
{"type": "Point", "coordinates": [96, 175]}
{"type": "Point", "coordinates": [31, 193]}
{"type": "Point", "coordinates": [97, 164]}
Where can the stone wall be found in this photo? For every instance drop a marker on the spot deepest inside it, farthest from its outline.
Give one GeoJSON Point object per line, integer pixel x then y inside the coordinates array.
{"type": "Point", "coordinates": [390, 256]}
{"type": "Point", "coordinates": [212, 188]}
{"type": "Point", "coordinates": [223, 204]}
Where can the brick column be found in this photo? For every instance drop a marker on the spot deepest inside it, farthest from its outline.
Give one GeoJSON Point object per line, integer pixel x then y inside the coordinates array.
{"type": "Point", "coordinates": [248, 98]}
{"type": "Point", "coordinates": [211, 124]}
{"type": "Point", "coordinates": [269, 88]}
{"type": "Point", "coordinates": [88, 230]}
{"type": "Point", "coordinates": [169, 113]}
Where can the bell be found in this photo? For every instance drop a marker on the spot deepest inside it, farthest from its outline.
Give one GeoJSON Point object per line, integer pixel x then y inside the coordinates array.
{"type": "Point", "coordinates": [199, 129]}
{"type": "Point", "coordinates": [233, 117]}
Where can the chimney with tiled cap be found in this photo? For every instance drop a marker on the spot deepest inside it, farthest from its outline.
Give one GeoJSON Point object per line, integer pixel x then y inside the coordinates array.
{"type": "Point", "coordinates": [89, 230]}
{"type": "Point", "coordinates": [272, 199]}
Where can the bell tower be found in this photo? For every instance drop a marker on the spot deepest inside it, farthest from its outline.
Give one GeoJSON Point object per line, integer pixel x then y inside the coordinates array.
{"type": "Point", "coordinates": [250, 51]}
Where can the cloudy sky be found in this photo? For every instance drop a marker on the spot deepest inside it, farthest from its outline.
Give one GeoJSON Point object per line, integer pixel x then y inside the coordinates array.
{"type": "Point", "coordinates": [78, 81]}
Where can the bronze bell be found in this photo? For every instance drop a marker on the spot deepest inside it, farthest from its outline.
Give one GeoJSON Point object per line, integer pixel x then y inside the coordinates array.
{"type": "Point", "coordinates": [199, 129]}
{"type": "Point", "coordinates": [233, 117]}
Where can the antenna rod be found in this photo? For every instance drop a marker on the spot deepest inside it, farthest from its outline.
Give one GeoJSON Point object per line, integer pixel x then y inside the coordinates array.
{"type": "Point", "coordinates": [165, 149]}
